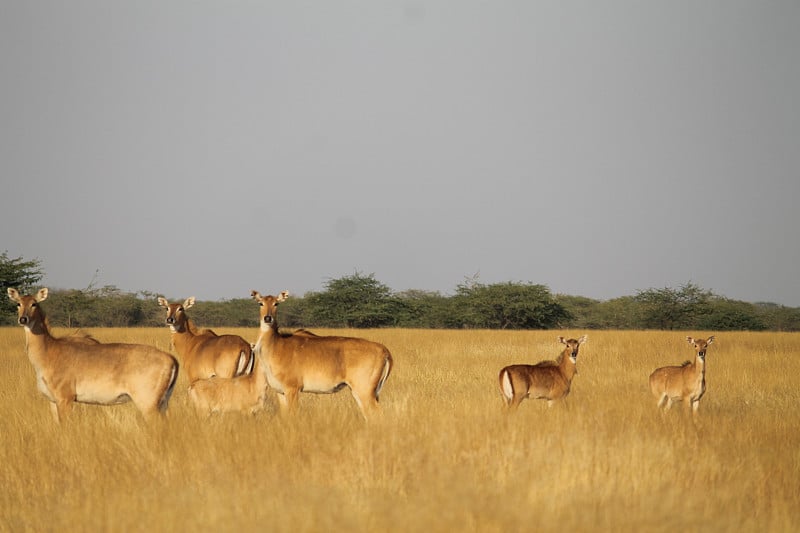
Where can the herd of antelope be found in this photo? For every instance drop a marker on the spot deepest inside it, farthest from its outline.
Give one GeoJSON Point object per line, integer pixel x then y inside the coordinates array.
{"type": "Point", "coordinates": [226, 373]}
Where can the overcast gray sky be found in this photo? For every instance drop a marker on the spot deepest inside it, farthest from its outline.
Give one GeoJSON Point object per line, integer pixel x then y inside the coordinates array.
{"type": "Point", "coordinates": [210, 148]}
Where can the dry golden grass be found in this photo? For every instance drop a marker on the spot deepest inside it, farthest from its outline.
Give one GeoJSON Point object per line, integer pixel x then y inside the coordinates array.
{"type": "Point", "coordinates": [443, 457]}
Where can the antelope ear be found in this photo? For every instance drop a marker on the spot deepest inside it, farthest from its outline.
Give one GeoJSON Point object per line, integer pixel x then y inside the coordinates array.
{"type": "Point", "coordinates": [710, 339]}
{"type": "Point", "coordinates": [41, 295]}
{"type": "Point", "coordinates": [562, 340]}
{"type": "Point", "coordinates": [13, 294]}
{"type": "Point", "coordinates": [283, 296]}
{"type": "Point", "coordinates": [690, 339]}
{"type": "Point", "coordinates": [189, 302]}
{"type": "Point", "coordinates": [255, 295]}
{"type": "Point", "coordinates": [163, 301]}
{"type": "Point", "coordinates": [583, 339]}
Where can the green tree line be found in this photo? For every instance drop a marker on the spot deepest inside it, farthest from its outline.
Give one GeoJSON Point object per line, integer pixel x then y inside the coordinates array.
{"type": "Point", "coordinates": [361, 301]}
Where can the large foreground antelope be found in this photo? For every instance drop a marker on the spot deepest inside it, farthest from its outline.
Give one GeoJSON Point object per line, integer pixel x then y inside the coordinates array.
{"type": "Point", "coordinates": [205, 354]}
{"type": "Point", "coordinates": [683, 383]}
{"type": "Point", "coordinates": [80, 369]}
{"type": "Point", "coordinates": [310, 363]}
{"type": "Point", "coordinates": [549, 380]}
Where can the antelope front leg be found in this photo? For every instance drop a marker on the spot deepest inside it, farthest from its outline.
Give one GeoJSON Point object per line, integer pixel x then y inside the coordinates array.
{"type": "Point", "coordinates": [291, 399]}
{"type": "Point", "coordinates": [283, 403]}
{"type": "Point", "coordinates": [288, 400]}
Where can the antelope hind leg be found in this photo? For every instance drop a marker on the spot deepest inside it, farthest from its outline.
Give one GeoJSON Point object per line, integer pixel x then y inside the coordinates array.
{"type": "Point", "coordinates": [54, 411]}
{"type": "Point", "coordinates": [516, 400]}
{"type": "Point", "coordinates": [61, 409]}
{"type": "Point", "coordinates": [662, 400]}
{"type": "Point", "coordinates": [367, 403]}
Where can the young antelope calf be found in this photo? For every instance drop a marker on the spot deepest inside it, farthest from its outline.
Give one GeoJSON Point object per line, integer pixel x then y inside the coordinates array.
{"type": "Point", "coordinates": [246, 393]}
{"type": "Point", "coordinates": [685, 382]}
{"type": "Point", "coordinates": [549, 380]}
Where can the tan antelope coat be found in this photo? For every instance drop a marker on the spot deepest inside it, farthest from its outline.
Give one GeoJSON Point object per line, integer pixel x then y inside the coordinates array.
{"type": "Point", "coordinates": [247, 394]}
{"type": "Point", "coordinates": [686, 382]}
{"type": "Point", "coordinates": [203, 353]}
{"type": "Point", "coordinates": [319, 364]}
{"type": "Point", "coordinates": [80, 369]}
{"type": "Point", "coordinates": [548, 380]}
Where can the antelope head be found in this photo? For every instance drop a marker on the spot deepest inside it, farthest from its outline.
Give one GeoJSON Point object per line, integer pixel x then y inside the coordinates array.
{"type": "Point", "coordinates": [572, 346]}
{"type": "Point", "coordinates": [176, 313]}
{"type": "Point", "coordinates": [268, 308]}
{"type": "Point", "coordinates": [28, 310]}
{"type": "Point", "coordinates": [700, 346]}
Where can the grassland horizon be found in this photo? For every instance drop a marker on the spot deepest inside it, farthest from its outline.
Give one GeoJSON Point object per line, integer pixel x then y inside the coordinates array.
{"type": "Point", "coordinates": [444, 454]}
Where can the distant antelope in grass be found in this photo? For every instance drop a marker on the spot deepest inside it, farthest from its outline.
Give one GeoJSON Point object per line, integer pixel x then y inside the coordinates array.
{"type": "Point", "coordinates": [320, 364]}
{"type": "Point", "coordinates": [684, 383]}
{"type": "Point", "coordinates": [205, 354]}
{"type": "Point", "coordinates": [80, 369]}
{"type": "Point", "coordinates": [548, 380]}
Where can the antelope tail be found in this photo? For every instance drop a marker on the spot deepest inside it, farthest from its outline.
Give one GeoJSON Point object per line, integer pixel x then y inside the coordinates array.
{"type": "Point", "coordinates": [506, 387]}
{"type": "Point", "coordinates": [387, 368]}
{"type": "Point", "coordinates": [245, 364]}
{"type": "Point", "coordinates": [162, 404]}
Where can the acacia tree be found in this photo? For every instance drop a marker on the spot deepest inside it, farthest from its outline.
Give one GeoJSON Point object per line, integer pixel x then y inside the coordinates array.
{"type": "Point", "coordinates": [730, 315]}
{"type": "Point", "coordinates": [356, 301]}
{"type": "Point", "coordinates": [670, 308]}
{"type": "Point", "coordinates": [20, 274]}
{"type": "Point", "coordinates": [506, 306]}
{"type": "Point", "coordinates": [778, 317]}
{"type": "Point", "coordinates": [421, 309]}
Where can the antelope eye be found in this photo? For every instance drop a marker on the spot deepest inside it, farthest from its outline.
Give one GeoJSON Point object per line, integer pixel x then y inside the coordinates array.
{"type": "Point", "coordinates": [180, 309]}
{"type": "Point", "coordinates": [34, 304]}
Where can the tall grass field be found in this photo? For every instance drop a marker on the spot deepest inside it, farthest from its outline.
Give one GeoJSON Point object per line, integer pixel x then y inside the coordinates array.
{"type": "Point", "coordinates": [443, 456]}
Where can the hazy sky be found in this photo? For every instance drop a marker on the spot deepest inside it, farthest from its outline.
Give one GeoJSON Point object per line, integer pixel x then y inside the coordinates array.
{"type": "Point", "coordinates": [210, 148]}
